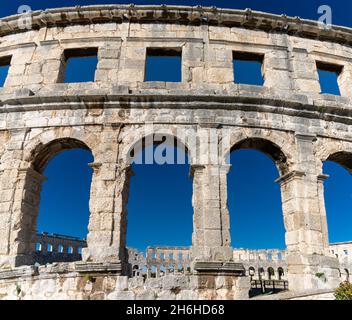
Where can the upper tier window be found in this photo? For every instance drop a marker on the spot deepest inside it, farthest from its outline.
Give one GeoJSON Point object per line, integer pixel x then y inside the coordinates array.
{"type": "Point", "coordinates": [4, 69]}
{"type": "Point", "coordinates": [248, 68]}
{"type": "Point", "coordinates": [328, 77]}
{"type": "Point", "coordinates": [80, 65]}
{"type": "Point", "coordinates": [163, 65]}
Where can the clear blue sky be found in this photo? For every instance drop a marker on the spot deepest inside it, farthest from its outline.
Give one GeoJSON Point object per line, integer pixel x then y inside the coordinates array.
{"type": "Point", "coordinates": [303, 8]}
{"type": "Point", "coordinates": [160, 209]}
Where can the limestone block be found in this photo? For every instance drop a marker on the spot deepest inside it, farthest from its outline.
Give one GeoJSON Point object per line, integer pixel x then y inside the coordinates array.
{"type": "Point", "coordinates": [172, 282]}
{"type": "Point", "coordinates": [219, 75]}
{"type": "Point", "coordinates": [121, 295]}
{"type": "Point", "coordinates": [146, 295]}
{"type": "Point", "coordinates": [122, 283]}
{"type": "Point", "coordinates": [166, 295]}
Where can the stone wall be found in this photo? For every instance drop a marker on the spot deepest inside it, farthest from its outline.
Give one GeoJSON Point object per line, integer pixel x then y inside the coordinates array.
{"type": "Point", "coordinates": [72, 281]}
{"type": "Point", "coordinates": [287, 119]}
{"type": "Point", "coordinates": [57, 248]}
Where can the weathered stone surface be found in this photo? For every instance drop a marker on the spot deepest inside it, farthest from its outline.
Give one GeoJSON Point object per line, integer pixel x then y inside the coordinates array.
{"type": "Point", "coordinates": [287, 118]}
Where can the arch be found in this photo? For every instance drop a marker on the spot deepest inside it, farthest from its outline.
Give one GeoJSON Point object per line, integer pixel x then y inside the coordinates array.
{"type": "Point", "coordinates": [347, 275]}
{"type": "Point", "coordinates": [38, 159]}
{"type": "Point", "coordinates": [251, 271]}
{"type": "Point", "coordinates": [47, 137]}
{"type": "Point", "coordinates": [267, 147]}
{"type": "Point", "coordinates": [261, 272]}
{"type": "Point", "coordinates": [279, 146]}
{"type": "Point", "coordinates": [134, 150]}
{"type": "Point", "coordinates": [38, 247]}
{"type": "Point", "coordinates": [280, 272]}
{"type": "Point", "coordinates": [337, 170]}
{"type": "Point", "coordinates": [250, 183]}
{"type": "Point", "coordinates": [333, 150]}
{"type": "Point", "coordinates": [136, 139]}
{"type": "Point", "coordinates": [271, 273]}
{"type": "Point", "coordinates": [50, 247]}
{"type": "Point", "coordinates": [342, 158]}
{"type": "Point", "coordinates": [42, 154]}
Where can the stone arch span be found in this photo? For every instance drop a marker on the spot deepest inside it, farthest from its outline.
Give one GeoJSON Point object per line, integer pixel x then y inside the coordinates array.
{"type": "Point", "coordinates": [30, 185]}
{"type": "Point", "coordinates": [333, 201]}
{"type": "Point", "coordinates": [42, 154]}
{"type": "Point", "coordinates": [134, 145]}
{"type": "Point", "coordinates": [136, 139]}
{"type": "Point", "coordinates": [268, 148]}
{"type": "Point", "coordinates": [279, 146]}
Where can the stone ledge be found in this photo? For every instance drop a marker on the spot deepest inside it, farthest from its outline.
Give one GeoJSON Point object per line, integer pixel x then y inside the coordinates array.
{"type": "Point", "coordinates": [247, 19]}
{"type": "Point", "coordinates": [62, 268]}
{"type": "Point", "coordinates": [291, 295]}
{"type": "Point", "coordinates": [92, 267]}
{"type": "Point", "coordinates": [295, 105]}
{"type": "Point", "coordinates": [27, 271]}
{"type": "Point", "coordinates": [218, 268]}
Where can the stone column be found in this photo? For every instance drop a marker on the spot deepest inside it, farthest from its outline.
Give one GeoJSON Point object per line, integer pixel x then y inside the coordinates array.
{"type": "Point", "coordinates": [305, 222]}
{"type": "Point", "coordinates": [22, 204]}
{"type": "Point", "coordinates": [211, 252]}
{"type": "Point", "coordinates": [344, 81]}
{"type": "Point", "coordinates": [324, 222]}
{"type": "Point", "coordinates": [211, 234]}
{"type": "Point", "coordinates": [106, 239]}
{"type": "Point", "coordinates": [7, 186]}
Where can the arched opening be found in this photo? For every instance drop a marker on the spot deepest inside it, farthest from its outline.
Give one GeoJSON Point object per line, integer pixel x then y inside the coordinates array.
{"type": "Point", "coordinates": [280, 272]}
{"type": "Point", "coordinates": [254, 199]}
{"type": "Point", "coordinates": [271, 273]}
{"type": "Point", "coordinates": [337, 195]}
{"type": "Point", "coordinates": [63, 197]}
{"type": "Point", "coordinates": [251, 272]}
{"type": "Point", "coordinates": [261, 273]}
{"type": "Point", "coordinates": [160, 211]}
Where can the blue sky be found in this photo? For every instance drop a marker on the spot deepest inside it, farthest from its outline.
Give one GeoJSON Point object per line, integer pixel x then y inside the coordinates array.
{"type": "Point", "coordinates": [159, 208]}
{"type": "Point", "coordinates": [306, 9]}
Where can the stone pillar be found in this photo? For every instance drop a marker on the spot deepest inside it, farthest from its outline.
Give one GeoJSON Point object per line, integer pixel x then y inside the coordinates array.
{"type": "Point", "coordinates": [106, 239]}
{"type": "Point", "coordinates": [344, 81]}
{"type": "Point", "coordinates": [7, 185]}
{"type": "Point", "coordinates": [304, 71]}
{"type": "Point", "coordinates": [211, 252]}
{"type": "Point", "coordinates": [324, 222]}
{"type": "Point", "coordinates": [305, 222]}
{"type": "Point", "coordinates": [277, 67]}
{"type": "Point", "coordinates": [22, 204]}
{"type": "Point", "coordinates": [211, 234]}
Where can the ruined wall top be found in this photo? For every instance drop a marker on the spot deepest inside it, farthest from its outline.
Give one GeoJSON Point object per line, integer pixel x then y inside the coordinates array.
{"type": "Point", "coordinates": [179, 14]}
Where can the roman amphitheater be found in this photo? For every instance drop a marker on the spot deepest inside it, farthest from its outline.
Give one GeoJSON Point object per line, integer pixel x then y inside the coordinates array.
{"type": "Point", "coordinates": [207, 112]}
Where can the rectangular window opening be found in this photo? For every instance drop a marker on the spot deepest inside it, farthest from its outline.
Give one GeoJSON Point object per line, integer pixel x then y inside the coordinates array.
{"type": "Point", "coordinates": [79, 65]}
{"type": "Point", "coordinates": [4, 69]}
{"type": "Point", "coordinates": [248, 68]}
{"type": "Point", "coordinates": [163, 64]}
{"type": "Point", "coordinates": [328, 78]}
